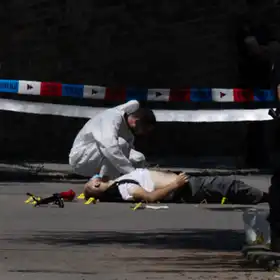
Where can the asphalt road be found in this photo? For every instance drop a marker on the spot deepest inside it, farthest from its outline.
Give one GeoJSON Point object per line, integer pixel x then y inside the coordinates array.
{"type": "Point", "coordinates": [110, 241]}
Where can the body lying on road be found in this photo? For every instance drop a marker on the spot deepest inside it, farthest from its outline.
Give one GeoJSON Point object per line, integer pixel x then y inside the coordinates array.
{"type": "Point", "coordinates": [164, 186]}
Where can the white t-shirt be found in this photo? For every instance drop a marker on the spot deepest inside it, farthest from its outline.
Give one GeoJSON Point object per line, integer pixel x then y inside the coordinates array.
{"type": "Point", "coordinates": [140, 175]}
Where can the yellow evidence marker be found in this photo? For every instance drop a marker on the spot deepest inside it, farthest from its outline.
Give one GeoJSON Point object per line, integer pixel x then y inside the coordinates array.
{"type": "Point", "coordinates": [81, 196]}
{"type": "Point", "coordinates": [223, 200]}
{"type": "Point", "coordinates": [138, 206]}
{"type": "Point", "coordinates": [90, 200]}
{"type": "Point", "coordinates": [31, 199]}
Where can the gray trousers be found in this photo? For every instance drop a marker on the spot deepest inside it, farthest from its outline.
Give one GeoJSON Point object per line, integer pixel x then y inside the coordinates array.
{"type": "Point", "coordinates": [214, 188]}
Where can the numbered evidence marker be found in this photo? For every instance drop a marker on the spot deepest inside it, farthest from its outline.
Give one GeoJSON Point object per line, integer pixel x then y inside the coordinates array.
{"type": "Point", "coordinates": [94, 92]}
{"type": "Point", "coordinates": [158, 94]}
{"type": "Point", "coordinates": [222, 95]}
{"type": "Point", "coordinates": [90, 200]}
{"type": "Point", "coordinates": [81, 196]}
{"type": "Point", "coordinates": [29, 87]}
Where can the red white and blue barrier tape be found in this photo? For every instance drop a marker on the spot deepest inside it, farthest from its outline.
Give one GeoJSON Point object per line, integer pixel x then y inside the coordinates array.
{"type": "Point", "coordinates": [53, 89]}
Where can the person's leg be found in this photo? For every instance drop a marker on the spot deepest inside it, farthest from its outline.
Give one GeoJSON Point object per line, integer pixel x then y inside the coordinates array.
{"type": "Point", "coordinates": [107, 169]}
{"type": "Point", "coordinates": [85, 161]}
{"type": "Point", "coordinates": [241, 193]}
{"type": "Point", "coordinates": [200, 188]}
{"type": "Point", "coordinates": [214, 189]}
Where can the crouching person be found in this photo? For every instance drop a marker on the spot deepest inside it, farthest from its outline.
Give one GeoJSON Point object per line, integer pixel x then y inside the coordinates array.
{"type": "Point", "coordinates": [105, 144]}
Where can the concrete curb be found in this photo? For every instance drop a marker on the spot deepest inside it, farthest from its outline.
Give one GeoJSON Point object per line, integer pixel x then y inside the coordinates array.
{"type": "Point", "coordinates": [62, 172]}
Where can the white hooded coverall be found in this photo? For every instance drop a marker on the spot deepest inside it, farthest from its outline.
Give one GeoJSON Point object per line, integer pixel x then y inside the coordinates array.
{"type": "Point", "coordinates": [105, 144]}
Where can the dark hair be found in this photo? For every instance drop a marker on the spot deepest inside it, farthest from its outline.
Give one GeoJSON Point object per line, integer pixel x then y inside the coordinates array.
{"type": "Point", "coordinates": [146, 116]}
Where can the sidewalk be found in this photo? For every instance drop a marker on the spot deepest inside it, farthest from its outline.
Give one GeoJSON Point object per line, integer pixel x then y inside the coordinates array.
{"type": "Point", "coordinates": [58, 171]}
{"type": "Point", "coordinates": [36, 171]}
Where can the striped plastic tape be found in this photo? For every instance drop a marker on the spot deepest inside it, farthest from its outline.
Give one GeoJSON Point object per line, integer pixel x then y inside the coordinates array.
{"type": "Point", "coordinates": [122, 94]}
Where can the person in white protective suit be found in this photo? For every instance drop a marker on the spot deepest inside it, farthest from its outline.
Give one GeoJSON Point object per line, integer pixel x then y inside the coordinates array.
{"type": "Point", "coordinates": [105, 144]}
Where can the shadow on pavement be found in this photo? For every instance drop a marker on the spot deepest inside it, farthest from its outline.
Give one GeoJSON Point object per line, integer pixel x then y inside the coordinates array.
{"type": "Point", "coordinates": [195, 250]}
{"type": "Point", "coordinates": [232, 208]}
{"type": "Point", "coordinates": [197, 263]}
{"type": "Point", "coordinates": [213, 240]}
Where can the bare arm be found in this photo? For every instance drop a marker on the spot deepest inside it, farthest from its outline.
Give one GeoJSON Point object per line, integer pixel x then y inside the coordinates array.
{"type": "Point", "coordinates": [161, 193]}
